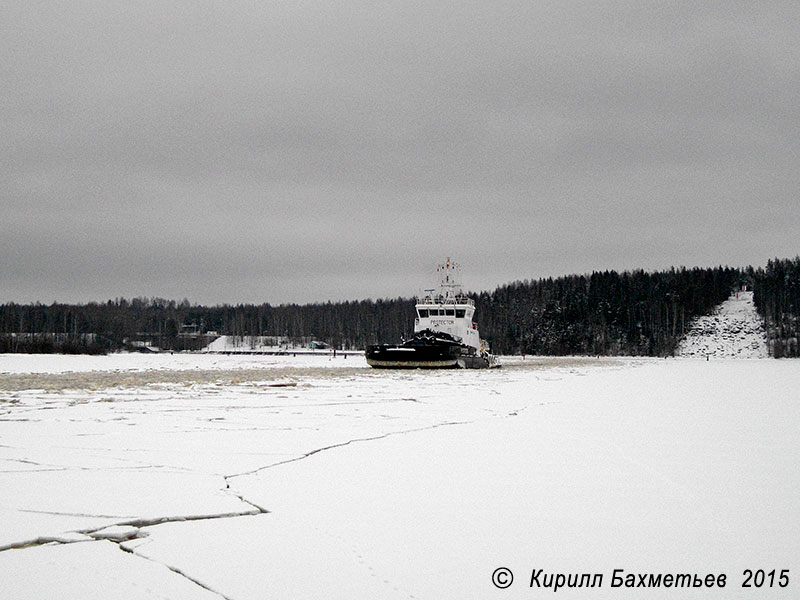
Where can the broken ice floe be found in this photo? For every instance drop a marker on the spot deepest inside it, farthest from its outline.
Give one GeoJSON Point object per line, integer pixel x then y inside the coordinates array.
{"type": "Point", "coordinates": [116, 533]}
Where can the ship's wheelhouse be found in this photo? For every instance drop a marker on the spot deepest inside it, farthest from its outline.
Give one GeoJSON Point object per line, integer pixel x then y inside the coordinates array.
{"type": "Point", "coordinates": [451, 315]}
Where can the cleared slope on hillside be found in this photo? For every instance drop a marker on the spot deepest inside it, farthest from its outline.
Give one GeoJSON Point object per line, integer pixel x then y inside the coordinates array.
{"type": "Point", "coordinates": [733, 330]}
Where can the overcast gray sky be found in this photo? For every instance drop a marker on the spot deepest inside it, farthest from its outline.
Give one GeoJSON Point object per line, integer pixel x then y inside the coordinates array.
{"type": "Point", "coordinates": [306, 151]}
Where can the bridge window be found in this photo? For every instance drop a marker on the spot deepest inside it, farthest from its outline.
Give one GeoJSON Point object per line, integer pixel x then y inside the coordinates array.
{"type": "Point", "coordinates": [449, 312]}
{"type": "Point", "coordinates": [460, 313]}
{"type": "Point", "coordinates": [423, 313]}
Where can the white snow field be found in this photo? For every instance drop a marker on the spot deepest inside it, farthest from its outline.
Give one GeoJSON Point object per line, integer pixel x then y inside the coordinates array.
{"type": "Point", "coordinates": [136, 362]}
{"type": "Point", "coordinates": [332, 480]}
{"type": "Point", "coordinates": [734, 330]}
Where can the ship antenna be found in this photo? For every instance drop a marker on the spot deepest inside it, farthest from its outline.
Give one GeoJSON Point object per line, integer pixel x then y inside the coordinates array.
{"type": "Point", "coordinates": [450, 279]}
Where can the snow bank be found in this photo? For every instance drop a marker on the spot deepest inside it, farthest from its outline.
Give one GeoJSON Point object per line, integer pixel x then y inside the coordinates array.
{"type": "Point", "coordinates": [246, 343]}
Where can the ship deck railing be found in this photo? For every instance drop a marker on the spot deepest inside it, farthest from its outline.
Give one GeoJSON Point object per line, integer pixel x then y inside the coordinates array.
{"type": "Point", "coordinates": [447, 300]}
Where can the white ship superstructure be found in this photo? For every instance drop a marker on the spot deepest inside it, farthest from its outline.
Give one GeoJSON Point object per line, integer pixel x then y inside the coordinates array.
{"type": "Point", "coordinates": [449, 310]}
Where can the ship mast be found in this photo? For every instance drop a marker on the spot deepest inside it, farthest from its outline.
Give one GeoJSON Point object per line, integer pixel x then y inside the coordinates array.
{"type": "Point", "coordinates": [450, 281]}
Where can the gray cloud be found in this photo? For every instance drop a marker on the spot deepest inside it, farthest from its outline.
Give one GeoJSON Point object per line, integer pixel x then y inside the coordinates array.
{"type": "Point", "coordinates": [306, 151]}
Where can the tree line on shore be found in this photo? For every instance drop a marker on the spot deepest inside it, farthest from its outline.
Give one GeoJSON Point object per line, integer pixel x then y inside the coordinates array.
{"type": "Point", "coordinates": [604, 313]}
{"type": "Point", "coordinates": [777, 297]}
{"type": "Point", "coordinates": [609, 313]}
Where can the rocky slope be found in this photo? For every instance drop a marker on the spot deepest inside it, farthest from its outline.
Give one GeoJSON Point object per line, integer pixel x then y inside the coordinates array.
{"type": "Point", "coordinates": [734, 330]}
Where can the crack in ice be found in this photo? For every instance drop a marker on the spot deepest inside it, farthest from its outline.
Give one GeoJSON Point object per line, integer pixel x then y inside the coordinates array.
{"type": "Point", "coordinates": [175, 570]}
{"type": "Point", "coordinates": [138, 523]}
{"type": "Point", "coordinates": [71, 514]}
{"type": "Point", "coordinates": [342, 444]}
{"type": "Point", "coordinates": [121, 537]}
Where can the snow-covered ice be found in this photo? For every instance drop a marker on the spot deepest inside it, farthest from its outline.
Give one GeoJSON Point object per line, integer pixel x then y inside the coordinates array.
{"type": "Point", "coordinates": [733, 330]}
{"type": "Point", "coordinates": [312, 477]}
{"type": "Point", "coordinates": [126, 362]}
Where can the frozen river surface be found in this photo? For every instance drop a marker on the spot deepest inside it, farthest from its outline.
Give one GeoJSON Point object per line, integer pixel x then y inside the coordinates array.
{"type": "Point", "coordinates": [195, 477]}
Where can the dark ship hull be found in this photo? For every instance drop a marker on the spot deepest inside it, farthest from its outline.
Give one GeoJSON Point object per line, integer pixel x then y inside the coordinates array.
{"type": "Point", "coordinates": [426, 350]}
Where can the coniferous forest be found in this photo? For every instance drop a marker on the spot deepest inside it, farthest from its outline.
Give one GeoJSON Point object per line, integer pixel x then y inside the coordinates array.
{"type": "Point", "coordinates": [609, 313]}
{"type": "Point", "coordinates": [777, 297]}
